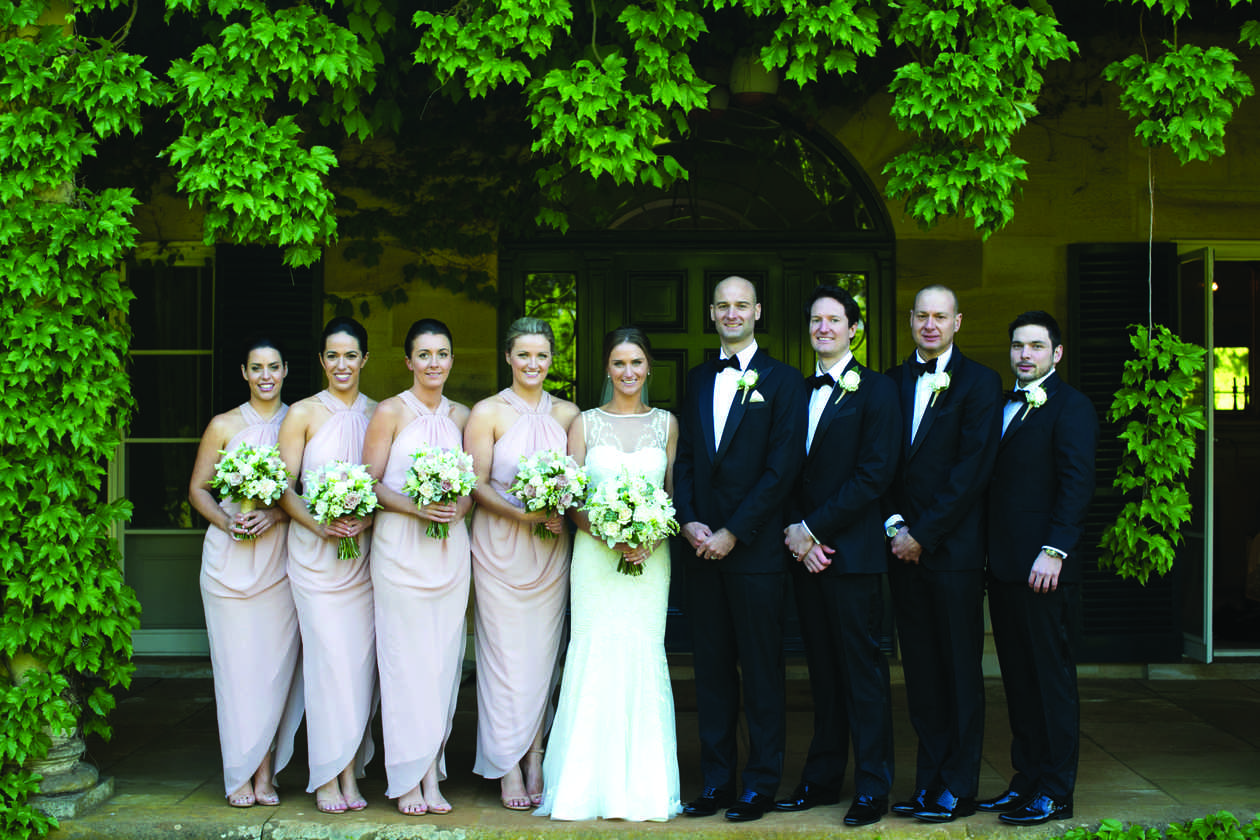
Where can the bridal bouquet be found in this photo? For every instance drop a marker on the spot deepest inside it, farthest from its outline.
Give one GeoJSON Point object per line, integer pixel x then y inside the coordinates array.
{"type": "Point", "coordinates": [633, 511]}
{"type": "Point", "coordinates": [549, 480]}
{"type": "Point", "coordinates": [251, 475]}
{"type": "Point", "coordinates": [340, 489]}
{"type": "Point", "coordinates": [442, 476]}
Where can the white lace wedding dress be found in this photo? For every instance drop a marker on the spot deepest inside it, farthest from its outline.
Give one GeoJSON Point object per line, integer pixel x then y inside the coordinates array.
{"type": "Point", "coordinates": [613, 752]}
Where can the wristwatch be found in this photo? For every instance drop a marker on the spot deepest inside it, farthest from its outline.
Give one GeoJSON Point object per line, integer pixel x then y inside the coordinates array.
{"type": "Point", "coordinates": [1054, 552]}
{"type": "Point", "coordinates": [892, 529]}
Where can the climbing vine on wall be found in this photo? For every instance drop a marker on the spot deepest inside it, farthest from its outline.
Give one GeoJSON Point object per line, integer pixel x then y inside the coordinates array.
{"type": "Point", "coordinates": [1161, 420]}
{"type": "Point", "coordinates": [65, 613]}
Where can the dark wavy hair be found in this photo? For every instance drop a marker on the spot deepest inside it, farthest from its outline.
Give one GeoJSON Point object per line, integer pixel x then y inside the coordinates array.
{"type": "Point", "coordinates": [852, 310]}
{"type": "Point", "coordinates": [350, 327]}
{"type": "Point", "coordinates": [426, 326]}
{"type": "Point", "coordinates": [1037, 318]}
{"type": "Point", "coordinates": [627, 334]}
{"type": "Point", "coordinates": [258, 342]}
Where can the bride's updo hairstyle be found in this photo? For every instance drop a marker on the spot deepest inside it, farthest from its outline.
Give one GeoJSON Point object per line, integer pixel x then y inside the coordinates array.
{"type": "Point", "coordinates": [350, 327]}
{"type": "Point", "coordinates": [426, 326]}
{"type": "Point", "coordinates": [627, 335]}
{"type": "Point", "coordinates": [528, 326]}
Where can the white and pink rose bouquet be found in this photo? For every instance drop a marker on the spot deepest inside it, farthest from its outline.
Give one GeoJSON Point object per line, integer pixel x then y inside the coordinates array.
{"type": "Point", "coordinates": [549, 480]}
{"type": "Point", "coordinates": [254, 476]}
{"type": "Point", "coordinates": [340, 489]}
{"type": "Point", "coordinates": [439, 476]}
{"type": "Point", "coordinates": [630, 510]}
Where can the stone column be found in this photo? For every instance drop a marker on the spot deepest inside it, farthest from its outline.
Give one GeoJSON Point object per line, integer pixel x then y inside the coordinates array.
{"type": "Point", "coordinates": [68, 786]}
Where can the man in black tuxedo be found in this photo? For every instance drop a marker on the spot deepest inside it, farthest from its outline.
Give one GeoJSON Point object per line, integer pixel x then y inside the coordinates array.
{"type": "Point", "coordinates": [852, 443]}
{"type": "Point", "coordinates": [952, 422]}
{"type": "Point", "coordinates": [1041, 487]}
{"type": "Point", "coordinates": [738, 453]}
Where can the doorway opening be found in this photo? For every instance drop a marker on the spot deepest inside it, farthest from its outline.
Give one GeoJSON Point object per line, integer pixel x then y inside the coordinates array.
{"type": "Point", "coordinates": [1220, 305]}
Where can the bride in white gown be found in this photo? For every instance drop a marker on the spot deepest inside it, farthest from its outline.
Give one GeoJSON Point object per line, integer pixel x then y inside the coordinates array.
{"type": "Point", "coordinates": [613, 751]}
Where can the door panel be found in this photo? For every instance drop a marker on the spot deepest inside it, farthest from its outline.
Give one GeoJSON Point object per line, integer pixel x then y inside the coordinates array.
{"type": "Point", "coordinates": [1196, 545]}
{"type": "Point", "coordinates": [671, 305]}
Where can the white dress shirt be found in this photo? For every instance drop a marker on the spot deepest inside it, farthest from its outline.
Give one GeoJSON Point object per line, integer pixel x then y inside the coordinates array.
{"type": "Point", "coordinates": [922, 393]}
{"type": "Point", "coordinates": [724, 389]}
{"type": "Point", "coordinates": [922, 396]}
{"type": "Point", "coordinates": [1012, 407]}
{"type": "Point", "coordinates": [818, 399]}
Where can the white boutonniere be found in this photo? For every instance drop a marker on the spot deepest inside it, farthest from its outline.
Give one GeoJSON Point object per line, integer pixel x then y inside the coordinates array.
{"type": "Point", "coordinates": [746, 383]}
{"type": "Point", "coordinates": [937, 382]}
{"type": "Point", "coordinates": [848, 384]}
{"type": "Point", "coordinates": [1034, 397]}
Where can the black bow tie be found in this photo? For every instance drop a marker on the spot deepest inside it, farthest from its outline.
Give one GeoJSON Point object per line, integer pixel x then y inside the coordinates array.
{"type": "Point", "coordinates": [731, 362]}
{"type": "Point", "coordinates": [818, 381]}
{"type": "Point", "coordinates": [921, 368]}
{"type": "Point", "coordinates": [1017, 395]}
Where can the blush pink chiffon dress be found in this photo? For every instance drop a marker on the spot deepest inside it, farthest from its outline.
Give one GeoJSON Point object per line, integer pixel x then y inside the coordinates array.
{"type": "Point", "coordinates": [336, 617]}
{"type": "Point", "coordinates": [421, 592]}
{"type": "Point", "coordinates": [251, 620]}
{"type": "Point", "coordinates": [521, 585]}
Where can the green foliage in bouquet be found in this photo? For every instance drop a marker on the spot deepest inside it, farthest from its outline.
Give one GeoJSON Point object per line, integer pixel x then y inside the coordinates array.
{"type": "Point", "coordinates": [66, 616]}
{"type": "Point", "coordinates": [1160, 415]}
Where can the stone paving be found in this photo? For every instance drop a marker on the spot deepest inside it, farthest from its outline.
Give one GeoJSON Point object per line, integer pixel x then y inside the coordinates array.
{"type": "Point", "coordinates": [1154, 751]}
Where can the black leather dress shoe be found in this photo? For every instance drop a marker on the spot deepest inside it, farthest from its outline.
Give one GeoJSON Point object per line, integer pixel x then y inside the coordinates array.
{"type": "Point", "coordinates": [1041, 809]}
{"type": "Point", "coordinates": [806, 796]}
{"type": "Point", "coordinates": [709, 802]}
{"type": "Point", "coordinates": [750, 806]}
{"type": "Point", "coordinates": [917, 802]}
{"type": "Point", "coordinates": [866, 809]}
{"type": "Point", "coordinates": [1009, 801]}
{"type": "Point", "coordinates": [946, 808]}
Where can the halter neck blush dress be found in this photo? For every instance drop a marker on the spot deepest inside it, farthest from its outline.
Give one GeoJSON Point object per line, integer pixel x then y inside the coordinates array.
{"type": "Point", "coordinates": [252, 623]}
{"type": "Point", "coordinates": [334, 605]}
{"type": "Point", "coordinates": [421, 592]}
{"type": "Point", "coordinates": [521, 586]}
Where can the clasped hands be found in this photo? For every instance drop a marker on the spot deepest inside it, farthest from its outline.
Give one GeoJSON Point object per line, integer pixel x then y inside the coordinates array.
{"type": "Point", "coordinates": [446, 512]}
{"type": "Point", "coordinates": [906, 547]}
{"type": "Point", "coordinates": [709, 544]}
{"type": "Point", "coordinates": [552, 521]}
{"type": "Point", "coordinates": [347, 526]}
{"type": "Point", "coordinates": [815, 556]}
{"type": "Point", "coordinates": [637, 554]}
{"type": "Point", "coordinates": [252, 524]}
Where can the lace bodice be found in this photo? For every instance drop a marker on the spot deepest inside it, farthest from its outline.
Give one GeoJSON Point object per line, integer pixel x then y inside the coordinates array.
{"type": "Point", "coordinates": [635, 441]}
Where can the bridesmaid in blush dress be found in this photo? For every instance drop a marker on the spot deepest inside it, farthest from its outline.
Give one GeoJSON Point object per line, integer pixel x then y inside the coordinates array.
{"type": "Point", "coordinates": [250, 616]}
{"type": "Point", "coordinates": [420, 583]}
{"type": "Point", "coordinates": [520, 580]}
{"type": "Point", "coordinates": [333, 596]}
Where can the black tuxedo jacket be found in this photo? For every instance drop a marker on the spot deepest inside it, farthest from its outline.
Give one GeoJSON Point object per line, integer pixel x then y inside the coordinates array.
{"type": "Point", "coordinates": [849, 466]}
{"type": "Point", "coordinates": [742, 483]}
{"type": "Point", "coordinates": [943, 474]}
{"type": "Point", "coordinates": [1042, 483]}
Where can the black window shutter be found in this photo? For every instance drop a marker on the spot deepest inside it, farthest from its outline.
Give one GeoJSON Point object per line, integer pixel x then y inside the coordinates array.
{"type": "Point", "coordinates": [1122, 621]}
{"type": "Point", "coordinates": [256, 293]}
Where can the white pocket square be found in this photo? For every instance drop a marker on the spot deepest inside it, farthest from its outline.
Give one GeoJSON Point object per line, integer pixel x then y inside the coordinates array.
{"type": "Point", "coordinates": [756, 397]}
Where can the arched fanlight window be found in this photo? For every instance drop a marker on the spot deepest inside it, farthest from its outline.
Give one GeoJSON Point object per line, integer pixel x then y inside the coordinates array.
{"type": "Point", "coordinates": [749, 172]}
